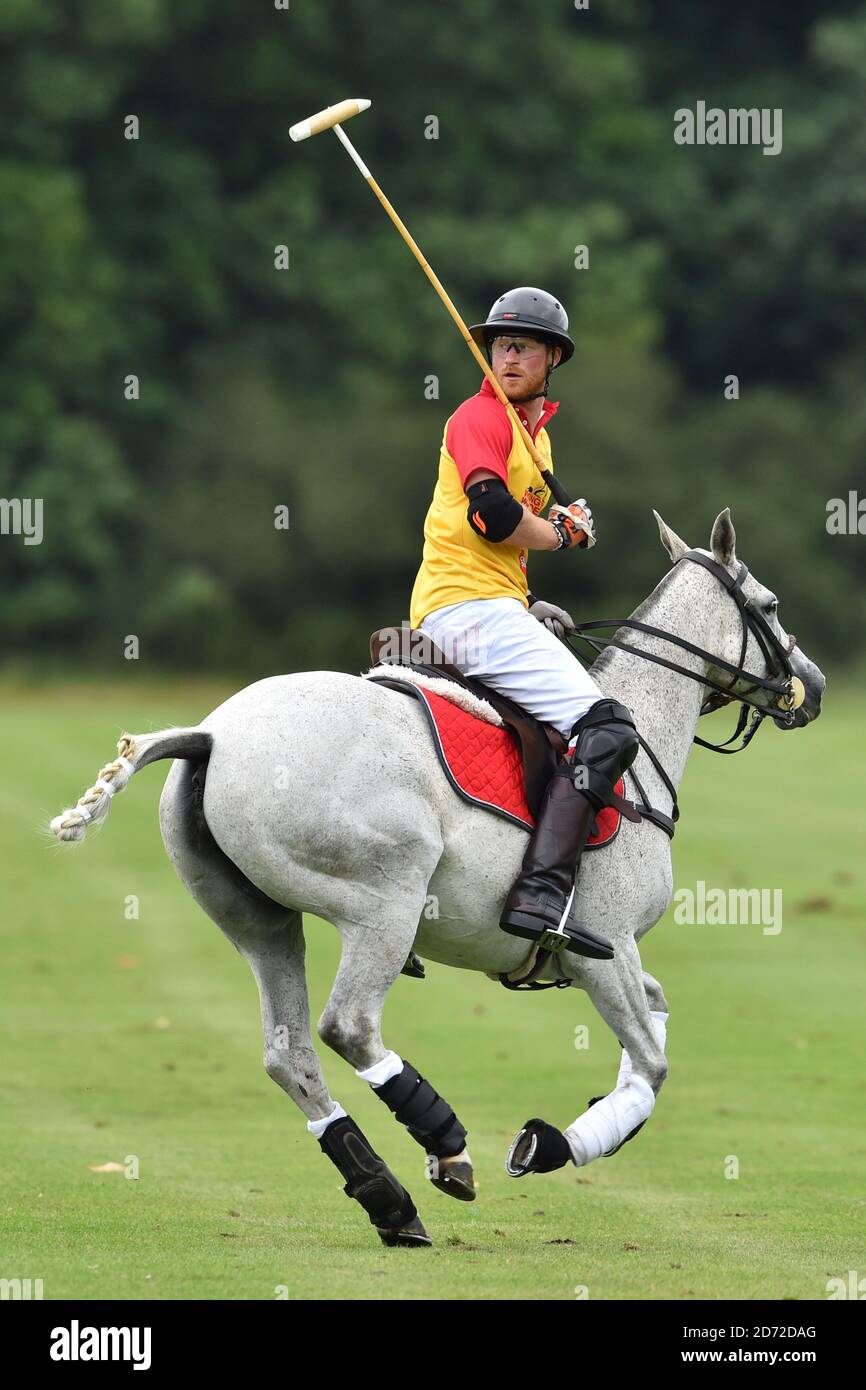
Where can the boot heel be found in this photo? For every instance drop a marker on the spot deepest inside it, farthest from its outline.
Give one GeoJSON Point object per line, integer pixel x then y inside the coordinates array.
{"type": "Point", "coordinates": [520, 924]}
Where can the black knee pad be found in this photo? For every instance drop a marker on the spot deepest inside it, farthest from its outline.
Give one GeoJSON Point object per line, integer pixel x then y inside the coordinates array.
{"type": "Point", "coordinates": [607, 744]}
{"type": "Point", "coordinates": [428, 1118]}
{"type": "Point", "coordinates": [368, 1178]}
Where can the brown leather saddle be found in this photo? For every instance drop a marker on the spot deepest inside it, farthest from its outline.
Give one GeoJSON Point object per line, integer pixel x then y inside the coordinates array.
{"type": "Point", "coordinates": [541, 744]}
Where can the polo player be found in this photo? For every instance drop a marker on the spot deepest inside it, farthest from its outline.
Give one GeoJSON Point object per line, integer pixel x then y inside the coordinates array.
{"type": "Point", "coordinates": [472, 598]}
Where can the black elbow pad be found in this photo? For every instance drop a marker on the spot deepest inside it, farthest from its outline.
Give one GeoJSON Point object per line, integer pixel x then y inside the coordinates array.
{"type": "Point", "coordinates": [493, 513]}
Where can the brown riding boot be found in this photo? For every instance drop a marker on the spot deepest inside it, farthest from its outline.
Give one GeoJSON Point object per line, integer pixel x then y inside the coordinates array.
{"type": "Point", "coordinates": [536, 904]}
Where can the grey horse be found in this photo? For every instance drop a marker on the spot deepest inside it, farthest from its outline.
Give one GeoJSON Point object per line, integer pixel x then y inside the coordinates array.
{"type": "Point", "coordinates": [323, 794]}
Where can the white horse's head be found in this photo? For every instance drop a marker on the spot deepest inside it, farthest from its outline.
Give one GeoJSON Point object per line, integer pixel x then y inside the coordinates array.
{"type": "Point", "coordinates": [727, 639]}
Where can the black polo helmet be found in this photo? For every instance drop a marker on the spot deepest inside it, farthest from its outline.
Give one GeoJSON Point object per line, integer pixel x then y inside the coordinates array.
{"type": "Point", "coordinates": [526, 310]}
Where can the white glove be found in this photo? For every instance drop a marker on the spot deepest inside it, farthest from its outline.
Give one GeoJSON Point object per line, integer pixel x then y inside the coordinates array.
{"type": "Point", "coordinates": [578, 518]}
{"type": "Point", "coordinates": [556, 620]}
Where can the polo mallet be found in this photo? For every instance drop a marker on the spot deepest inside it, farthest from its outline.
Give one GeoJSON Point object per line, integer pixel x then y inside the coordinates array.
{"type": "Point", "coordinates": [330, 119]}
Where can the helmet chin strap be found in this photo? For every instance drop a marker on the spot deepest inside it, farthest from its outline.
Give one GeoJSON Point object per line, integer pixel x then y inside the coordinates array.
{"type": "Point", "coordinates": [525, 399]}
{"type": "Point", "coordinates": [543, 393]}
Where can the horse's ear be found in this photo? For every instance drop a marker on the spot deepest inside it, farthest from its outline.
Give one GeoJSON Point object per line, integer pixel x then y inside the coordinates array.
{"type": "Point", "coordinates": [723, 540]}
{"type": "Point", "coordinates": [672, 543]}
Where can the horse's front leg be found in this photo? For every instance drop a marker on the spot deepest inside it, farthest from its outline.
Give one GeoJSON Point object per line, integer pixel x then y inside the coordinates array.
{"type": "Point", "coordinates": [659, 1014]}
{"type": "Point", "coordinates": [617, 989]}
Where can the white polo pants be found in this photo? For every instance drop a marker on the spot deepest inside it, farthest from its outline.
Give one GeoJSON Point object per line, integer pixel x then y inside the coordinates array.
{"type": "Point", "coordinates": [498, 641]}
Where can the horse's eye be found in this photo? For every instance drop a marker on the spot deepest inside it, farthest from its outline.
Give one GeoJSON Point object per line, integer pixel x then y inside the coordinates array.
{"type": "Point", "coordinates": [773, 606]}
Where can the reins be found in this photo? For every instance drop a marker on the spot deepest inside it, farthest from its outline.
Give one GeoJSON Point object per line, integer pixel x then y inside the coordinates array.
{"type": "Point", "coordinates": [776, 653]}
{"type": "Point", "coordinates": [780, 684]}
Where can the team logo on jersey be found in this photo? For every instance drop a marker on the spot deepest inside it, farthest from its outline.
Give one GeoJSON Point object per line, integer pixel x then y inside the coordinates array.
{"type": "Point", "coordinates": [533, 498]}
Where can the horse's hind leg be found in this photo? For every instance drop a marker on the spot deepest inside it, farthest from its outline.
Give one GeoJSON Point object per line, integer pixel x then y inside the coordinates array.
{"type": "Point", "coordinates": [368, 1179]}
{"type": "Point", "coordinates": [270, 938]}
{"type": "Point", "coordinates": [288, 1046]}
{"type": "Point", "coordinates": [289, 1056]}
{"type": "Point", "coordinates": [371, 960]}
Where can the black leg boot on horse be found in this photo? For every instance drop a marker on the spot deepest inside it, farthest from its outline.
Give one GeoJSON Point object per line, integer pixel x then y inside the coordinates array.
{"type": "Point", "coordinates": [603, 745]}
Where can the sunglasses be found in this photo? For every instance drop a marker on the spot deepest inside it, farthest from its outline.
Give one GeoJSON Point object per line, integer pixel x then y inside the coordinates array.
{"type": "Point", "coordinates": [528, 347]}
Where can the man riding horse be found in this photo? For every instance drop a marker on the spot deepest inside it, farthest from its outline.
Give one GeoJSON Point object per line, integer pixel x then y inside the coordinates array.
{"type": "Point", "coordinates": [472, 584]}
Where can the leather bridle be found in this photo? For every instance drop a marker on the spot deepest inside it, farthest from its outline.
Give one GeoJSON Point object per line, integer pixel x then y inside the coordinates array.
{"type": "Point", "coordinates": [779, 683]}
{"type": "Point", "coordinates": [777, 654]}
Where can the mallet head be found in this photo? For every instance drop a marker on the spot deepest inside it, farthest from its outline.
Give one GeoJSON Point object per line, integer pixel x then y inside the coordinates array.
{"type": "Point", "coordinates": [331, 116]}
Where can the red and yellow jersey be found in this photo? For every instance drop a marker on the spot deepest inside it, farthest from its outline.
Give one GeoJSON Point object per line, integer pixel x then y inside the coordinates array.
{"type": "Point", "coordinates": [458, 564]}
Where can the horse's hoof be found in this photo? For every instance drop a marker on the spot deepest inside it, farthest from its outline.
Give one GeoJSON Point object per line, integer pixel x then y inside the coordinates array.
{"type": "Point", "coordinates": [412, 1233]}
{"type": "Point", "coordinates": [414, 967]}
{"type": "Point", "coordinates": [453, 1176]}
{"type": "Point", "coordinates": [538, 1148]}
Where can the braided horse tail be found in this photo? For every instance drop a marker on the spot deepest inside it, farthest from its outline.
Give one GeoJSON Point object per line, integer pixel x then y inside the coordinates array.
{"type": "Point", "coordinates": [135, 751]}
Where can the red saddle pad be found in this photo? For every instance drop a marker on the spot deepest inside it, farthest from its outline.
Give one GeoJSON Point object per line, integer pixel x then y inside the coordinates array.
{"type": "Point", "coordinates": [484, 765]}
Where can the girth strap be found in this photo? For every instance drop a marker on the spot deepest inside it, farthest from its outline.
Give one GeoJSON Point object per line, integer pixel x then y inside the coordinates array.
{"type": "Point", "coordinates": [650, 813]}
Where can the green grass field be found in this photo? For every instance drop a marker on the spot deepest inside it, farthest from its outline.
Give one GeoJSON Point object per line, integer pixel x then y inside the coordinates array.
{"type": "Point", "coordinates": [141, 1038]}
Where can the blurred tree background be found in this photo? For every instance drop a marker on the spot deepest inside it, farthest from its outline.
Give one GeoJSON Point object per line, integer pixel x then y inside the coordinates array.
{"type": "Point", "coordinates": [308, 387]}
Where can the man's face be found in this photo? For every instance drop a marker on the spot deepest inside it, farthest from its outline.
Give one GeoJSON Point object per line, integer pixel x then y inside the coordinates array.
{"type": "Point", "coordinates": [520, 363]}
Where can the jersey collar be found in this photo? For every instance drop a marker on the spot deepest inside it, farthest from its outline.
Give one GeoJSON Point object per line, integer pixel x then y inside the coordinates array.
{"type": "Point", "coordinates": [548, 410]}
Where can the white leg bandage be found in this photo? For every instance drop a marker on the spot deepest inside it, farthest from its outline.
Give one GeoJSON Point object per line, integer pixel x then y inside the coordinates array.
{"type": "Point", "coordinates": [606, 1124]}
{"type": "Point", "coordinates": [318, 1127]}
{"type": "Point", "coordinates": [380, 1072]}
